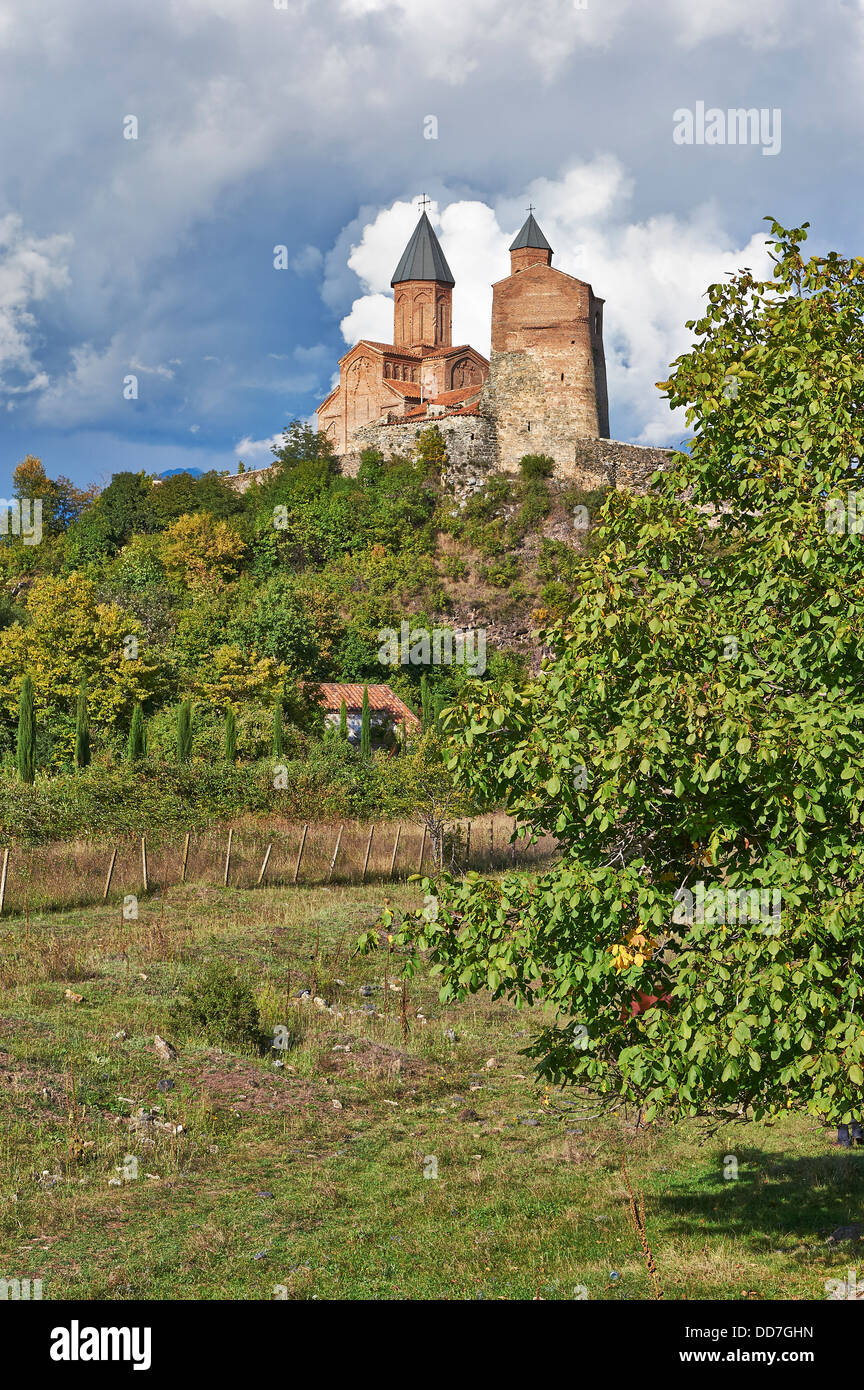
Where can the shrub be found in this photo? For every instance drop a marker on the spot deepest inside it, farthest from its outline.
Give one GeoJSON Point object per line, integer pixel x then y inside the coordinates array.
{"type": "Point", "coordinates": [535, 506]}
{"type": "Point", "coordinates": [502, 572]}
{"type": "Point", "coordinates": [454, 567]}
{"type": "Point", "coordinates": [536, 466]}
{"type": "Point", "coordinates": [220, 1008]}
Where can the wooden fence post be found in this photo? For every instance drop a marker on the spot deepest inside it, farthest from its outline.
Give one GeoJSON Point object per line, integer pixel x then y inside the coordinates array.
{"type": "Point", "coordinates": [185, 860]}
{"type": "Point", "coordinates": [264, 866]}
{"type": "Point", "coordinates": [335, 853]}
{"type": "Point", "coordinates": [144, 862]}
{"type": "Point", "coordinates": [368, 848]}
{"type": "Point", "coordinates": [228, 859]}
{"type": "Point", "coordinates": [3, 877]}
{"type": "Point", "coordinates": [110, 875]}
{"type": "Point", "coordinates": [395, 848]}
{"type": "Point", "coordinates": [300, 853]}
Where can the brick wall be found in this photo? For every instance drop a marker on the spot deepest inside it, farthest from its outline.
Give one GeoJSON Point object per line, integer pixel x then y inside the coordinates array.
{"type": "Point", "coordinates": [546, 383]}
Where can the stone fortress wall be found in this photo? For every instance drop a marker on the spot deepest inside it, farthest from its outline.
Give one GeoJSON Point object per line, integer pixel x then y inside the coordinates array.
{"type": "Point", "coordinates": [472, 454]}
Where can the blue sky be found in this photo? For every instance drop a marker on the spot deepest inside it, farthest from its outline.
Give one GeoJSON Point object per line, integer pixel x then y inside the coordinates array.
{"type": "Point", "coordinates": [303, 126]}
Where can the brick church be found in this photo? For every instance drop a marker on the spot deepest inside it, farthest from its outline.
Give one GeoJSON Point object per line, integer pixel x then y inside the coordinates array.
{"type": "Point", "coordinates": [421, 367]}
{"type": "Point", "coordinates": [542, 391]}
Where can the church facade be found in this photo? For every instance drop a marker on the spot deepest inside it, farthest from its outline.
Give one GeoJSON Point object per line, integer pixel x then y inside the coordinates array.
{"type": "Point", "coordinates": [543, 391]}
{"type": "Point", "coordinates": [420, 368]}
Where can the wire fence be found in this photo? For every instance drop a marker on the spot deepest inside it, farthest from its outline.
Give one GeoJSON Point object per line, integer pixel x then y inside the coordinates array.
{"type": "Point", "coordinates": [81, 873]}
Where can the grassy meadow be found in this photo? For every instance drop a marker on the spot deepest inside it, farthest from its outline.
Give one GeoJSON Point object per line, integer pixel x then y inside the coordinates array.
{"type": "Point", "coordinates": [306, 1172]}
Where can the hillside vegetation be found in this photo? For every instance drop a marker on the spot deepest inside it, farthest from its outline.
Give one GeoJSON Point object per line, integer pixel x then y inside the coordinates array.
{"type": "Point", "coordinates": [187, 591]}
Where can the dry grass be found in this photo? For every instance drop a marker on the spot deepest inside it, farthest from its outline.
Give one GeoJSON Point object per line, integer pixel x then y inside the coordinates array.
{"type": "Point", "coordinates": [68, 875]}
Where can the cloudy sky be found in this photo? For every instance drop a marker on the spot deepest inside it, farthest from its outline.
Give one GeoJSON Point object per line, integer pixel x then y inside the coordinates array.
{"type": "Point", "coordinates": [302, 124]}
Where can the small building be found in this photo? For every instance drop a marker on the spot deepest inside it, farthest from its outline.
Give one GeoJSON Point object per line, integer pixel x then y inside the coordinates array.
{"type": "Point", "coordinates": [390, 718]}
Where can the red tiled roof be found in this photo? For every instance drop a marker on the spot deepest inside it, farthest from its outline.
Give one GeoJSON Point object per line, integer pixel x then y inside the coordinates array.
{"type": "Point", "coordinates": [387, 347]}
{"type": "Point", "coordinates": [464, 393]}
{"type": "Point", "coordinates": [413, 354]}
{"type": "Point", "coordinates": [445, 351]}
{"type": "Point", "coordinates": [381, 697]}
{"type": "Point", "coordinates": [405, 388]}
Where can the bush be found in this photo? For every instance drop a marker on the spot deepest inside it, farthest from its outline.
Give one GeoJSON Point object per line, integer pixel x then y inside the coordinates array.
{"type": "Point", "coordinates": [454, 567]}
{"type": "Point", "coordinates": [502, 572]}
{"type": "Point", "coordinates": [220, 1008]}
{"type": "Point", "coordinates": [536, 466]}
{"type": "Point", "coordinates": [535, 506]}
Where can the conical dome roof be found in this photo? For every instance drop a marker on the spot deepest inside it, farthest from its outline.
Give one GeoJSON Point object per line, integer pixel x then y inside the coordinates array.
{"type": "Point", "coordinates": [423, 258]}
{"type": "Point", "coordinates": [530, 235]}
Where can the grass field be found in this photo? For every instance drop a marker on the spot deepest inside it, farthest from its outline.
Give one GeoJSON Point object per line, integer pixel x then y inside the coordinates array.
{"type": "Point", "coordinates": [308, 1180]}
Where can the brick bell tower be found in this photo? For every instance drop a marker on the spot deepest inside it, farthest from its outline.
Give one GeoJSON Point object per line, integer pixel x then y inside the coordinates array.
{"type": "Point", "coordinates": [547, 375]}
{"type": "Point", "coordinates": [423, 293]}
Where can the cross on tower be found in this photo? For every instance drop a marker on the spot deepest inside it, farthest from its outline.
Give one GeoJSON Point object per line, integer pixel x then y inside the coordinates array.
{"type": "Point", "coordinates": [424, 202]}
{"type": "Point", "coordinates": [530, 208]}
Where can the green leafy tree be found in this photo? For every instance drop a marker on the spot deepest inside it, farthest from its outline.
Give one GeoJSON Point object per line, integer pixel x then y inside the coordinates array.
{"type": "Point", "coordinates": [124, 508]}
{"type": "Point", "coordinates": [62, 502]}
{"type": "Point", "coordinates": [136, 745]}
{"type": "Point", "coordinates": [69, 634]}
{"type": "Point", "coordinates": [183, 493]}
{"type": "Point", "coordinates": [26, 744]}
{"type": "Point", "coordinates": [696, 742]}
{"type": "Point", "coordinates": [82, 728]}
{"type": "Point", "coordinates": [184, 731]}
{"type": "Point", "coordinates": [306, 454]}
{"type": "Point", "coordinates": [432, 450]}
{"type": "Point", "coordinates": [278, 728]}
{"type": "Point", "coordinates": [365, 726]}
{"type": "Point", "coordinates": [221, 1008]}
{"type": "Point", "coordinates": [230, 735]}
{"type": "Point", "coordinates": [421, 788]}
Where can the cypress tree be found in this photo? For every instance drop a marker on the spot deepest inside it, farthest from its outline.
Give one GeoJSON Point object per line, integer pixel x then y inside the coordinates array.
{"type": "Point", "coordinates": [343, 720]}
{"type": "Point", "coordinates": [136, 743]}
{"type": "Point", "coordinates": [278, 728]}
{"type": "Point", "coordinates": [365, 726]}
{"type": "Point", "coordinates": [184, 732]}
{"type": "Point", "coordinates": [425, 703]}
{"type": "Point", "coordinates": [26, 746]}
{"type": "Point", "coordinates": [82, 728]}
{"type": "Point", "coordinates": [230, 735]}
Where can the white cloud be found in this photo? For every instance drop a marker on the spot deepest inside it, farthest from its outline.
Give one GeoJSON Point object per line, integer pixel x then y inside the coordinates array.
{"type": "Point", "coordinates": [371, 317]}
{"type": "Point", "coordinates": [159, 370]}
{"type": "Point", "coordinates": [260, 450]}
{"type": "Point", "coordinates": [308, 261]}
{"type": "Point", "coordinates": [768, 23]}
{"type": "Point", "coordinates": [31, 268]}
{"type": "Point", "coordinates": [475, 249]}
{"type": "Point", "coordinates": [466, 37]}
